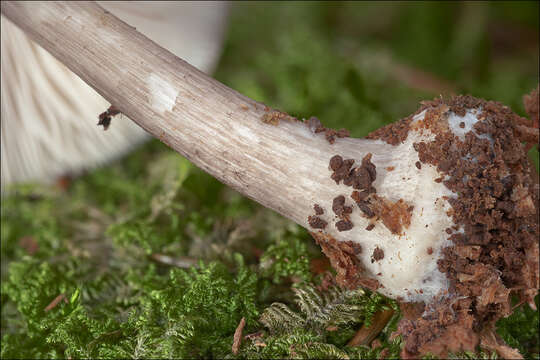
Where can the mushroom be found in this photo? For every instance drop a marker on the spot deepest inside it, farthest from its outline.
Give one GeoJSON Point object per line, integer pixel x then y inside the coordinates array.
{"type": "Point", "coordinates": [49, 114]}
{"type": "Point", "coordinates": [443, 201]}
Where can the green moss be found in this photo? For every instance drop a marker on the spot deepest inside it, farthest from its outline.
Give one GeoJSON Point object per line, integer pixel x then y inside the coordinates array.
{"type": "Point", "coordinates": [520, 330]}
{"type": "Point", "coordinates": [100, 241]}
{"type": "Point", "coordinates": [287, 258]}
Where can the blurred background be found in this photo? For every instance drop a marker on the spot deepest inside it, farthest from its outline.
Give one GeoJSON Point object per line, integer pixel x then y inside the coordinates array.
{"type": "Point", "coordinates": [362, 63]}
{"type": "Point", "coordinates": [358, 65]}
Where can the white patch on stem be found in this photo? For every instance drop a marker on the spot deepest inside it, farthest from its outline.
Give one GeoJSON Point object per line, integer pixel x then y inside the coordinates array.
{"type": "Point", "coordinates": [162, 94]}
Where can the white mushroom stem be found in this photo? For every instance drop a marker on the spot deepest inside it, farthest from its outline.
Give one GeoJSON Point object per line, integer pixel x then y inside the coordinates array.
{"type": "Point", "coordinates": [49, 114]}
{"type": "Point", "coordinates": [284, 166]}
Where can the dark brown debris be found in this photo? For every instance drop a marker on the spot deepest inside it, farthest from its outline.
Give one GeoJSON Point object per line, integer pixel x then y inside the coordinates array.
{"type": "Point", "coordinates": [394, 133]}
{"type": "Point", "coordinates": [316, 222]}
{"type": "Point", "coordinates": [335, 162]}
{"type": "Point", "coordinates": [318, 210]}
{"type": "Point", "coordinates": [316, 127]}
{"type": "Point", "coordinates": [359, 178]}
{"type": "Point", "coordinates": [344, 225]}
{"type": "Point", "coordinates": [364, 207]}
{"type": "Point", "coordinates": [377, 255]}
{"type": "Point", "coordinates": [343, 171]}
{"type": "Point", "coordinates": [106, 117]}
{"type": "Point", "coordinates": [343, 256]}
{"type": "Point", "coordinates": [339, 207]}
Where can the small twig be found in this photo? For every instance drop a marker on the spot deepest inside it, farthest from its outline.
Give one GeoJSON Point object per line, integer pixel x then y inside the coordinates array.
{"type": "Point", "coordinates": [56, 301]}
{"type": "Point", "coordinates": [366, 334]}
{"type": "Point", "coordinates": [237, 339]}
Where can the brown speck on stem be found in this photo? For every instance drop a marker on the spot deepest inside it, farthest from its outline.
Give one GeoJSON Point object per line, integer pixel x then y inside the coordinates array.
{"type": "Point", "coordinates": [335, 162]}
{"type": "Point", "coordinates": [316, 222]}
{"type": "Point", "coordinates": [344, 225]}
{"type": "Point", "coordinates": [275, 116]}
{"type": "Point", "coordinates": [237, 339]}
{"type": "Point", "coordinates": [378, 254]}
{"type": "Point", "coordinates": [318, 210]}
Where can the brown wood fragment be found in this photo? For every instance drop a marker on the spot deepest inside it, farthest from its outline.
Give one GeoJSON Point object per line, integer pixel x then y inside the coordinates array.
{"type": "Point", "coordinates": [56, 301]}
{"type": "Point", "coordinates": [366, 334]}
{"type": "Point", "coordinates": [237, 339]}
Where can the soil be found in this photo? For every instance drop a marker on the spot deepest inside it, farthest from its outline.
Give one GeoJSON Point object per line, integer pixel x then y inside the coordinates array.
{"type": "Point", "coordinates": [497, 208]}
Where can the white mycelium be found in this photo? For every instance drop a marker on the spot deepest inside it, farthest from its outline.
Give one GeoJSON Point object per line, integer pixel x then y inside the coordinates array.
{"type": "Point", "coordinates": [407, 269]}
